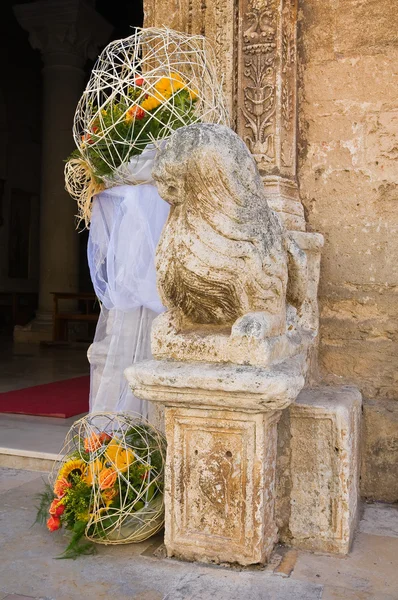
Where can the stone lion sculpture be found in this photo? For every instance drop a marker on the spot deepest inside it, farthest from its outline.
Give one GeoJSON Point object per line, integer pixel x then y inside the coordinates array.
{"type": "Point", "coordinates": [224, 258]}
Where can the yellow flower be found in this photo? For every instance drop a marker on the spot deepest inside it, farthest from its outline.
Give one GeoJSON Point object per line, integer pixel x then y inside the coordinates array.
{"type": "Point", "coordinates": [163, 85]}
{"type": "Point", "coordinates": [176, 82]}
{"type": "Point", "coordinates": [103, 112]}
{"type": "Point", "coordinates": [150, 103]}
{"type": "Point", "coordinates": [119, 457]}
{"type": "Point", "coordinates": [77, 465]}
{"type": "Point", "coordinates": [193, 94]}
{"type": "Point", "coordinates": [93, 471]}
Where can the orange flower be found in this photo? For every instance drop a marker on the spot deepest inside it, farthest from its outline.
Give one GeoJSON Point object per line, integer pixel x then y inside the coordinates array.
{"type": "Point", "coordinates": [92, 443]}
{"type": "Point", "coordinates": [61, 486]}
{"type": "Point", "coordinates": [87, 138]}
{"type": "Point", "coordinates": [54, 523]}
{"type": "Point", "coordinates": [134, 113]}
{"type": "Point", "coordinates": [56, 508]}
{"type": "Point", "coordinates": [104, 437]}
{"type": "Point", "coordinates": [108, 495]}
{"type": "Point", "coordinates": [107, 478]}
{"type": "Point", "coordinates": [139, 81]}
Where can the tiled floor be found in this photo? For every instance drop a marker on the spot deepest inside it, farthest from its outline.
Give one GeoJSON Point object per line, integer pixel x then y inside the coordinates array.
{"type": "Point", "coordinates": [140, 571]}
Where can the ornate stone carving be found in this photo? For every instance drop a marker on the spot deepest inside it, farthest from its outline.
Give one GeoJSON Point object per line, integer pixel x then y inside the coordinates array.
{"type": "Point", "coordinates": [227, 268]}
{"type": "Point", "coordinates": [224, 257]}
{"type": "Point", "coordinates": [258, 79]}
{"type": "Point", "coordinates": [255, 46]}
{"type": "Point", "coordinates": [267, 81]}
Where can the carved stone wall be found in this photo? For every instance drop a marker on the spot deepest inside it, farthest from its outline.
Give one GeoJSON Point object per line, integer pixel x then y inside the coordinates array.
{"type": "Point", "coordinates": [348, 132]}
{"type": "Point", "coordinates": [255, 47]}
{"type": "Point", "coordinates": [215, 20]}
{"type": "Point", "coordinates": [348, 145]}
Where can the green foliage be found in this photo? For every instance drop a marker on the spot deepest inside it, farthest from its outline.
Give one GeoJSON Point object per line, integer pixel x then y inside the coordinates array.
{"type": "Point", "coordinates": [114, 140]}
{"type": "Point", "coordinates": [44, 501]}
{"type": "Point", "coordinates": [77, 502]}
{"type": "Point", "coordinates": [77, 546]}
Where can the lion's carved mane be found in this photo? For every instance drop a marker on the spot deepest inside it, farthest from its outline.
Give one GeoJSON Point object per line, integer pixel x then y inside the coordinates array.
{"type": "Point", "coordinates": [223, 252]}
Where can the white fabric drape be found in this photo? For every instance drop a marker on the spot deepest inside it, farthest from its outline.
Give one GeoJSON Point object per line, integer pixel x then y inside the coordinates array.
{"type": "Point", "coordinates": [125, 228]}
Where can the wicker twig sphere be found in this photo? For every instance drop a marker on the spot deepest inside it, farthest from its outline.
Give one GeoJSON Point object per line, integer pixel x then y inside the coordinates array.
{"type": "Point", "coordinates": [120, 458]}
{"type": "Point", "coordinates": [141, 89]}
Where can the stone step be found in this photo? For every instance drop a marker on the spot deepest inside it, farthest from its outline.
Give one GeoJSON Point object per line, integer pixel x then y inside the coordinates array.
{"type": "Point", "coordinates": [32, 443]}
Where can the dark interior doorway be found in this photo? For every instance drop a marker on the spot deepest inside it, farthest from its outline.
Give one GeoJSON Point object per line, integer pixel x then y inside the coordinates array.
{"type": "Point", "coordinates": [20, 149]}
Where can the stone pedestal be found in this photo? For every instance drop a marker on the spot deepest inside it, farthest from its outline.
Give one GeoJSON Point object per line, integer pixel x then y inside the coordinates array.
{"type": "Point", "coordinates": [221, 428]}
{"type": "Point", "coordinates": [318, 469]}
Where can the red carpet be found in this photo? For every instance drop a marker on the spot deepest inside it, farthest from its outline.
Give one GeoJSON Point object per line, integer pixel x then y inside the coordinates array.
{"type": "Point", "coordinates": [60, 399]}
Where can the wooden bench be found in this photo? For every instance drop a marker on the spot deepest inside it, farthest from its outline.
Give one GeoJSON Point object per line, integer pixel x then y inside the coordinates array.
{"type": "Point", "coordinates": [89, 314]}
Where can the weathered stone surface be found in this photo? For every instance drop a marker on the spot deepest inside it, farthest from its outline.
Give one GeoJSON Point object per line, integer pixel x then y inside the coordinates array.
{"type": "Point", "coordinates": [347, 143]}
{"type": "Point", "coordinates": [347, 170]}
{"type": "Point", "coordinates": [221, 435]}
{"type": "Point", "coordinates": [220, 494]}
{"type": "Point", "coordinates": [256, 53]}
{"type": "Point", "coordinates": [212, 385]}
{"type": "Point", "coordinates": [318, 469]}
{"type": "Point", "coordinates": [234, 280]}
{"type": "Point", "coordinates": [380, 451]}
{"type": "Point", "coordinates": [223, 252]}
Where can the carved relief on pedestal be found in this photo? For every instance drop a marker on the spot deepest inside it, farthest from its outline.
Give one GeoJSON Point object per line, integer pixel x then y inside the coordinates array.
{"type": "Point", "coordinates": [220, 502]}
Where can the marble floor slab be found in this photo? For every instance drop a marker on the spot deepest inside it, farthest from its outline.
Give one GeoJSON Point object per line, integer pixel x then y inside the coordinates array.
{"type": "Point", "coordinates": [36, 437]}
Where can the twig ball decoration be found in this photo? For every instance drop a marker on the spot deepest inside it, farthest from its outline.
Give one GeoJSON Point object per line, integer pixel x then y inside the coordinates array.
{"type": "Point", "coordinates": [143, 88]}
{"type": "Point", "coordinates": [119, 459]}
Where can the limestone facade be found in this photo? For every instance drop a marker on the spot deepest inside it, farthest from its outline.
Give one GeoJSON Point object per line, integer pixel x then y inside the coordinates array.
{"type": "Point", "coordinates": [346, 58]}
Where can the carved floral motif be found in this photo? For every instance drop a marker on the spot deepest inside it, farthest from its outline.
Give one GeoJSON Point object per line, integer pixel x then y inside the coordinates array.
{"type": "Point", "coordinates": [288, 92]}
{"type": "Point", "coordinates": [259, 55]}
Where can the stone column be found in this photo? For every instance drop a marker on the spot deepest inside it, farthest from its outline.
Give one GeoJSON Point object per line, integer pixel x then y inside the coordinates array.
{"type": "Point", "coordinates": [67, 33]}
{"type": "Point", "coordinates": [255, 46]}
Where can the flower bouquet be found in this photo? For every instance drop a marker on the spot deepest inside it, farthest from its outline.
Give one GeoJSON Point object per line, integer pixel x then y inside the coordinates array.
{"type": "Point", "coordinates": [126, 125]}
{"type": "Point", "coordinates": [109, 485]}
{"type": "Point", "coordinates": [141, 90]}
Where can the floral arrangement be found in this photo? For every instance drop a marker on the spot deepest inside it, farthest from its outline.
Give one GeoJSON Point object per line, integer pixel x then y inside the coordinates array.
{"type": "Point", "coordinates": [126, 126]}
{"type": "Point", "coordinates": [109, 486]}
{"type": "Point", "coordinates": [141, 90]}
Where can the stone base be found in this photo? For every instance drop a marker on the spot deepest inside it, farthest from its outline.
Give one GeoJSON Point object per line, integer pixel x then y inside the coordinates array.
{"type": "Point", "coordinates": [32, 335]}
{"type": "Point", "coordinates": [318, 469]}
{"type": "Point", "coordinates": [221, 430]}
{"type": "Point", "coordinates": [380, 451]}
{"type": "Point", "coordinates": [219, 494]}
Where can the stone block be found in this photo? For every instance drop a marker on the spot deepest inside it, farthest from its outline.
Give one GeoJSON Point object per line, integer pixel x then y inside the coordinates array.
{"type": "Point", "coordinates": [380, 451]}
{"type": "Point", "coordinates": [318, 470]}
{"type": "Point", "coordinates": [220, 485]}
